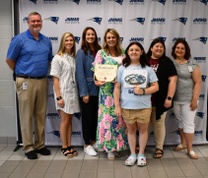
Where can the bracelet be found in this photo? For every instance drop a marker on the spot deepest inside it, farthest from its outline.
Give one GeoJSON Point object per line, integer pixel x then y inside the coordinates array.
{"type": "Point", "coordinates": [143, 91]}
{"type": "Point", "coordinates": [58, 98]}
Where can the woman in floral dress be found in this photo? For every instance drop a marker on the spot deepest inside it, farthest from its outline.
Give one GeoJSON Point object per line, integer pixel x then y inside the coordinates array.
{"type": "Point", "coordinates": [111, 130]}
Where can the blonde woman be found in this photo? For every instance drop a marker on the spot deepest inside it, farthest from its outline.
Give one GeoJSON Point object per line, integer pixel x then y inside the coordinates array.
{"type": "Point", "coordinates": [111, 130]}
{"type": "Point", "coordinates": [65, 90]}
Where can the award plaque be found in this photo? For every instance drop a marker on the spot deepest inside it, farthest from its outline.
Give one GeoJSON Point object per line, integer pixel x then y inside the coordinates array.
{"type": "Point", "coordinates": [105, 72]}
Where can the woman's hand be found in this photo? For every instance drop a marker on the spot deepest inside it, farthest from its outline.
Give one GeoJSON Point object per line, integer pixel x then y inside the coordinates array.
{"type": "Point", "coordinates": [86, 98]}
{"type": "Point", "coordinates": [193, 105]}
{"type": "Point", "coordinates": [61, 103]}
{"type": "Point", "coordinates": [138, 90]}
{"type": "Point", "coordinates": [117, 111]}
{"type": "Point", "coordinates": [167, 103]}
{"type": "Point", "coordinates": [99, 83]}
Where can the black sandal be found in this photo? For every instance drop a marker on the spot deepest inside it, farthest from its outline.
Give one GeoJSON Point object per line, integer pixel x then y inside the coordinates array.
{"type": "Point", "coordinates": [159, 154]}
{"type": "Point", "coordinates": [66, 152]}
{"type": "Point", "coordinates": [72, 151]}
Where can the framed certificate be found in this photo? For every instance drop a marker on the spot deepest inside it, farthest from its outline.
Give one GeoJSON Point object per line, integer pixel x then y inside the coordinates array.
{"type": "Point", "coordinates": [135, 77]}
{"type": "Point", "coordinates": [105, 72]}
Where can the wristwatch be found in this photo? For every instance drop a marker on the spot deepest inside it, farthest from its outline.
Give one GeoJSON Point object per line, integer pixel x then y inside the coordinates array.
{"type": "Point", "coordinates": [143, 91]}
{"type": "Point", "coordinates": [58, 98]}
{"type": "Point", "coordinates": [169, 98]}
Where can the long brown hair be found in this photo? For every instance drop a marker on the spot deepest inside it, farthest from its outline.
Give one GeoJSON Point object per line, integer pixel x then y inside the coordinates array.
{"type": "Point", "coordinates": [85, 46]}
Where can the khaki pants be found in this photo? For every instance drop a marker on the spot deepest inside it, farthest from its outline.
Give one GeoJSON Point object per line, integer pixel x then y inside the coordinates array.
{"type": "Point", "coordinates": [159, 128]}
{"type": "Point", "coordinates": [32, 98]}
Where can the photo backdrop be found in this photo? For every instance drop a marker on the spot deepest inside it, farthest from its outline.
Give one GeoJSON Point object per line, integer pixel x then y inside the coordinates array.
{"type": "Point", "coordinates": [135, 20]}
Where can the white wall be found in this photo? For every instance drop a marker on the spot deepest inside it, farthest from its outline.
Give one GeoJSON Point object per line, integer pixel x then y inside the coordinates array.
{"type": "Point", "coordinates": [7, 98]}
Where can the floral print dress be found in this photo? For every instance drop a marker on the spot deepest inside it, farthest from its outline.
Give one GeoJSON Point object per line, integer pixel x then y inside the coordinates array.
{"type": "Point", "coordinates": [111, 130]}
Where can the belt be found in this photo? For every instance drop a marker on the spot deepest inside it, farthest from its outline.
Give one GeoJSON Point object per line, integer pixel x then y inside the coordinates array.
{"type": "Point", "coordinates": [29, 77]}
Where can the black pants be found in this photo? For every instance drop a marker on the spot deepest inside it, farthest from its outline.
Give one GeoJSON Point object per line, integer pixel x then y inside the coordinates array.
{"type": "Point", "coordinates": [89, 119]}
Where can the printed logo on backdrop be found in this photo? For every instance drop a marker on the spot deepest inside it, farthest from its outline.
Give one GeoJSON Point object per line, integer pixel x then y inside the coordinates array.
{"type": "Point", "coordinates": [96, 2]}
{"type": "Point", "coordinates": [202, 97]}
{"type": "Point", "coordinates": [122, 39]}
{"type": "Point", "coordinates": [200, 21]}
{"type": "Point", "coordinates": [25, 19]}
{"type": "Point", "coordinates": [99, 40]}
{"type": "Point", "coordinates": [34, 1]}
{"type": "Point", "coordinates": [55, 133]}
{"type": "Point", "coordinates": [176, 38]}
{"type": "Point", "coordinates": [52, 115]}
{"type": "Point", "coordinates": [162, 38]}
{"type": "Point", "coordinates": [97, 20]}
{"type": "Point", "coordinates": [137, 39]}
{"type": "Point", "coordinates": [160, 1]}
{"type": "Point", "coordinates": [202, 39]}
{"type": "Point", "coordinates": [172, 116]}
{"type": "Point", "coordinates": [198, 132]}
{"type": "Point", "coordinates": [179, 2]}
{"type": "Point", "coordinates": [159, 21]}
{"type": "Point", "coordinates": [77, 115]}
{"type": "Point", "coordinates": [54, 39]}
{"type": "Point", "coordinates": [118, 1]}
{"type": "Point", "coordinates": [115, 21]}
{"type": "Point", "coordinates": [75, 1]}
{"type": "Point", "coordinates": [204, 77]}
{"type": "Point", "coordinates": [72, 20]}
{"type": "Point", "coordinates": [200, 115]}
{"type": "Point", "coordinates": [76, 133]}
{"type": "Point", "coordinates": [140, 20]}
{"type": "Point", "coordinates": [51, 95]}
{"type": "Point", "coordinates": [50, 1]}
{"type": "Point", "coordinates": [202, 1]}
{"type": "Point", "coordinates": [200, 59]}
{"type": "Point", "coordinates": [136, 2]}
{"type": "Point", "coordinates": [175, 132]}
{"type": "Point", "coordinates": [183, 20]}
{"type": "Point", "coordinates": [77, 39]}
{"type": "Point", "coordinates": [53, 19]}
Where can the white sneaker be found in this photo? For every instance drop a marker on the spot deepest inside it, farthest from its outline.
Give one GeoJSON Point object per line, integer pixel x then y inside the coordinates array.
{"type": "Point", "coordinates": [96, 148]}
{"type": "Point", "coordinates": [89, 150]}
{"type": "Point", "coordinates": [130, 161]}
{"type": "Point", "coordinates": [141, 161]}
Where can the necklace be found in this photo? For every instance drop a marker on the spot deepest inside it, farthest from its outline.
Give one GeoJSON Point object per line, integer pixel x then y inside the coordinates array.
{"type": "Point", "coordinates": [181, 61]}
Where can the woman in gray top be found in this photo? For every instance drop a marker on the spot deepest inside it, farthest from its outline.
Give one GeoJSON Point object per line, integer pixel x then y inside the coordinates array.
{"type": "Point", "coordinates": [186, 96]}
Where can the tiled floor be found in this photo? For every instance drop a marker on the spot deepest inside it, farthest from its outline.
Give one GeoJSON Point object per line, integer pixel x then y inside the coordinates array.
{"type": "Point", "coordinates": [173, 164]}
